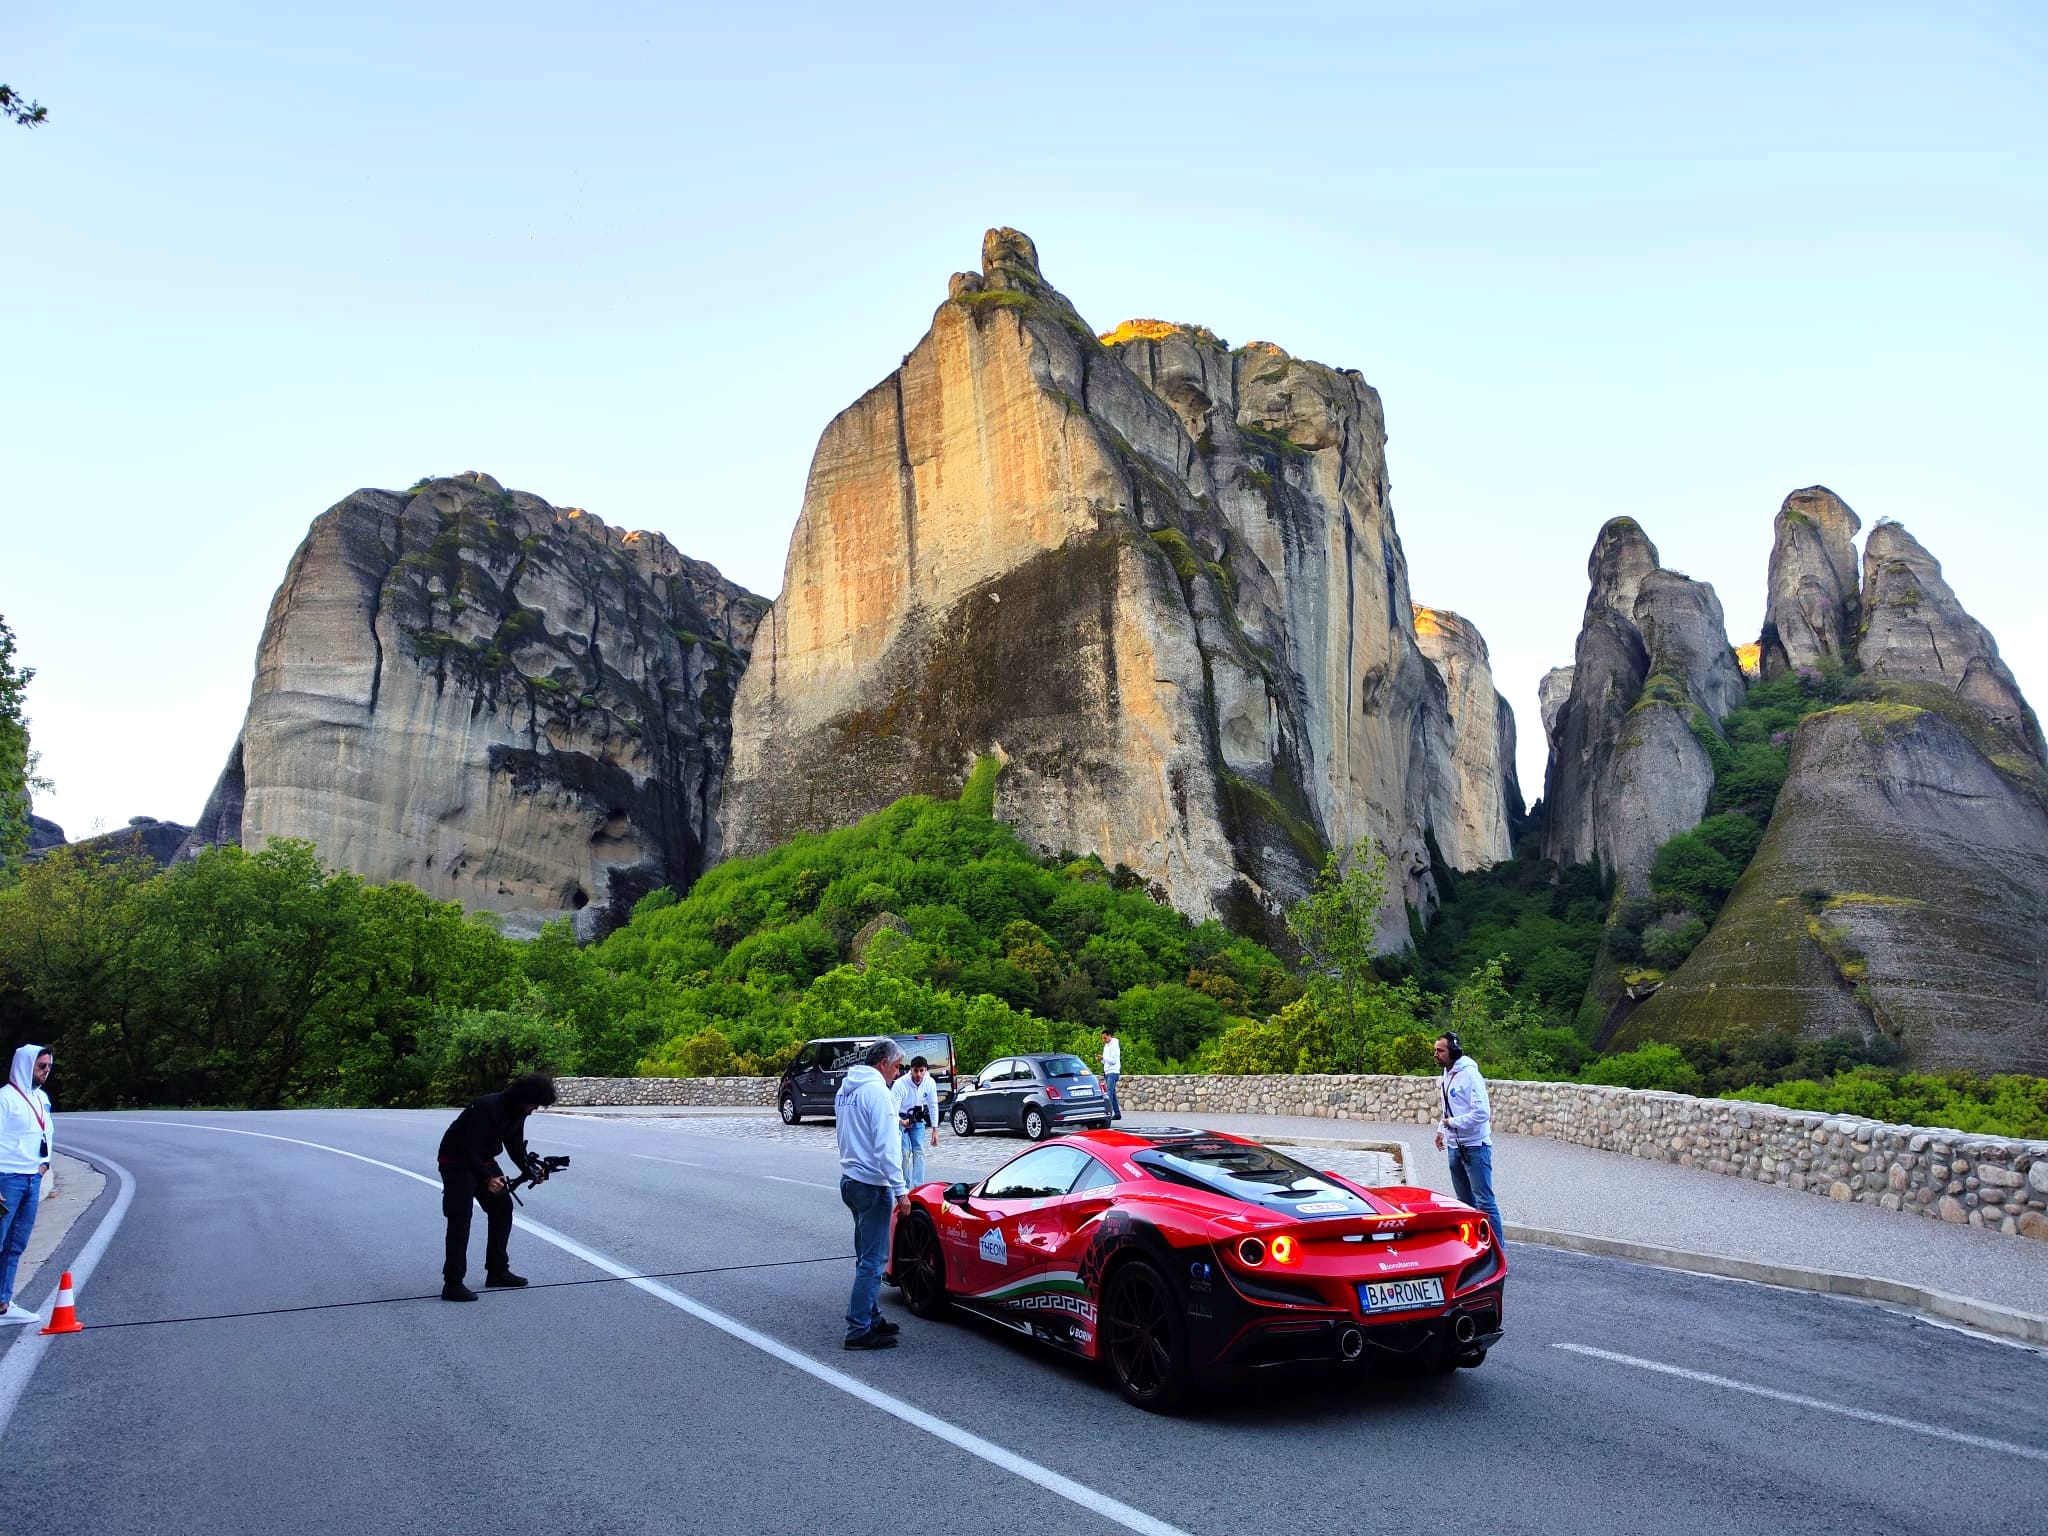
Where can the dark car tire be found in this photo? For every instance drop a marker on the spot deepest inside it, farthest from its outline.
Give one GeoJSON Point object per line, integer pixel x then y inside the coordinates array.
{"type": "Point", "coordinates": [1037, 1124]}
{"type": "Point", "coordinates": [963, 1122]}
{"type": "Point", "coordinates": [918, 1266]}
{"type": "Point", "coordinates": [790, 1113]}
{"type": "Point", "coordinates": [1141, 1337]}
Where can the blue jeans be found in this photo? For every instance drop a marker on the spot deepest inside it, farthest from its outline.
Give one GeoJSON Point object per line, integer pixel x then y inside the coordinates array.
{"type": "Point", "coordinates": [870, 1204]}
{"type": "Point", "coordinates": [1472, 1177]}
{"type": "Point", "coordinates": [22, 1192]}
{"type": "Point", "coordinates": [916, 1141]}
{"type": "Point", "coordinates": [1116, 1110]}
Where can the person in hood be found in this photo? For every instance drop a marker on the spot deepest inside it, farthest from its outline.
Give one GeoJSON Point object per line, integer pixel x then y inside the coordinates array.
{"type": "Point", "coordinates": [28, 1132]}
{"type": "Point", "coordinates": [469, 1171]}
{"type": "Point", "coordinates": [1465, 1133]}
{"type": "Point", "coordinates": [871, 1185]}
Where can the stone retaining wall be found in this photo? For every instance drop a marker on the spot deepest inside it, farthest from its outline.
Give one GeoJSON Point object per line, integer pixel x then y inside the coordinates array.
{"type": "Point", "coordinates": [1984, 1181]}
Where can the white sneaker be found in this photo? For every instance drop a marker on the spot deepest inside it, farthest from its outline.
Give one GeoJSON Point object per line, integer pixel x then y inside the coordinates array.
{"type": "Point", "coordinates": [19, 1315]}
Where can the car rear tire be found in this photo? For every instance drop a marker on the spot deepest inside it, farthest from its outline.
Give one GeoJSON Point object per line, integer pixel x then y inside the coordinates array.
{"type": "Point", "coordinates": [790, 1113]}
{"type": "Point", "coordinates": [1141, 1337]}
{"type": "Point", "coordinates": [963, 1122]}
{"type": "Point", "coordinates": [1036, 1126]}
{"type": "Point", "coordinates": [918, 1266]}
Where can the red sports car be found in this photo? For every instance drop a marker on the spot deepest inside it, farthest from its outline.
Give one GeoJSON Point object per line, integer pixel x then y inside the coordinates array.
{"type": "Point", "coordinates": [1172, 1255]}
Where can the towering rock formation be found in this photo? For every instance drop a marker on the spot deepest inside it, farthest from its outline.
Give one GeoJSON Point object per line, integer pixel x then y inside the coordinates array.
{"type": "Point", "coordinates": [1551, 695]}
{"type": "Point", "coordinates": [1470, 811]}
{"type": "Point", "coordinates": [1810, 611]}
{"type": "Point", "coordinates": [499, 701]}
{"type": "Point", "coordinates": [1916, 633]}
{"type": "Point", "coordinates": [1652, 669]}
{"type": "Point", "coordinates": [1901, 888]}
{"type": "Point", "coordinates": [1157, 575]}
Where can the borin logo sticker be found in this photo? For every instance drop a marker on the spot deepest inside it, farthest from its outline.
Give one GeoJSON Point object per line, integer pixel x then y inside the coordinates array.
{"type": "Point", "coordinates": [992, 1248]}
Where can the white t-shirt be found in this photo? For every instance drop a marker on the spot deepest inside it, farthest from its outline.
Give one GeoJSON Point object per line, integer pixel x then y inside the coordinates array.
{"type": "Point", "coordinates": [1112, 1055]}
{"type": "Point", "coordinates": [907, 1093]}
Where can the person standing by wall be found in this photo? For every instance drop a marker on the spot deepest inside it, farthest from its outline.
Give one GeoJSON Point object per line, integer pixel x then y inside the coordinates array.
{"type": "Point", "coordinates": [1112, 1069]}
{"type": "Point", "coordinates": [1465, 1134]}
{"type": "Point", "coordinates": [870, 1184]}
{"type": "Point", "coordinates": [28, 1133]}
{"type": "Point", "coordinates": [917, 1109]}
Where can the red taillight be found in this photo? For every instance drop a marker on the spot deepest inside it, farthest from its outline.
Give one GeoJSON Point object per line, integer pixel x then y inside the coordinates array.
{"type": "Point", "coordinates": [1284, 1250]}
{"type": "Point", "coordinates": [1051, 1091]}
{"type": "Point", "coordinates": [1475, 1234]}
{"type": "Point", "coordinates": [1465, 1233]}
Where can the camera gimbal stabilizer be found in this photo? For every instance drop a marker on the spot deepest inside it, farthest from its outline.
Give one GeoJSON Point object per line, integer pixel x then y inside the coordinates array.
{"type": "Point", "coordinates": [537, 1168]}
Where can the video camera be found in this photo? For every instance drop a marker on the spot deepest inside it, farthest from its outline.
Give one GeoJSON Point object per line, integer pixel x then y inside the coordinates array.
{"type": "Point", "coordinates": [915, 1116]}
{"type": "Point", "coordinates": [537, 1168]}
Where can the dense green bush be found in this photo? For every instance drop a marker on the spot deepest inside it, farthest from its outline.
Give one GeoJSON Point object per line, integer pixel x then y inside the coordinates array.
{"type": "Point", "coordinates": [1993, 1106]}
{"type": "Point", "coordinates": [1647, 1066]}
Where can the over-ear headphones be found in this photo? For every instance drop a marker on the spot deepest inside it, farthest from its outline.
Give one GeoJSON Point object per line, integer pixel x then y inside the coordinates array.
{"type": "Point", "coordinates": [1450, 1038]}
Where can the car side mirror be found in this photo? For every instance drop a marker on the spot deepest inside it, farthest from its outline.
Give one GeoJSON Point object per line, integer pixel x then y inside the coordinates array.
{"type": "Point", "coordinates": [956, 1194]}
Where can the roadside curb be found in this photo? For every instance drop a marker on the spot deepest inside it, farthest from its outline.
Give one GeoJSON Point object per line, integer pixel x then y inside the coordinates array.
{"type": "Point", "coordinates": [2026, 1327]}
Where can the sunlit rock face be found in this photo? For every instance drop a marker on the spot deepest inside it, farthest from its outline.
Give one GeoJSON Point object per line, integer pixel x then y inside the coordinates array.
{"type": "Point", "coordinates": [1158, 576]}
{"type": "Point", "coordinates": [1812, 607]}
{"type": "Point", "coordinates": [498, 701]}
{"type": "Point", "coordinates": [1470, 810]}
{"type": "Point", "coordinates": [1552, 692]}
{"type": "Point", "coordinates": [1653, 668]}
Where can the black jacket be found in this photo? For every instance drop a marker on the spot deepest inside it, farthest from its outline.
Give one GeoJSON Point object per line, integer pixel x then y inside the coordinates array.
{"type": "Point", "coordinates": [491, 1123]}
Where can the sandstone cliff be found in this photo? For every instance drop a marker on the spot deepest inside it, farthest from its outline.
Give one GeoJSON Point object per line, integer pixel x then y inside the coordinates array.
{"type": "Point", "coordinates": [499, 701]}
{"type": "Point", "coordinates": [1811, 607]}
{"type": "Point", "coordinates": [1652, 670]}
{"type": "Point", "coordinates": [1901, 890]}
{"type": "Point", "coordinates": [1470, 809]}
{"type": "Point", "coordinates": [1158, 576]}
{"type": "Point", "coordinates": [1552, 692]}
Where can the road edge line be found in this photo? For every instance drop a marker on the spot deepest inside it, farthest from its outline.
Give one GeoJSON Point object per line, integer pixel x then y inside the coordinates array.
{"type": "Point", "coordinates": [19, 1364]}
{"type": "Point", "coordinates": [2006, 1322]}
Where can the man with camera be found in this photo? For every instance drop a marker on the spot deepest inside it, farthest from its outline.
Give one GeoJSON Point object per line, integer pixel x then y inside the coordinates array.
{"type": "Point", "coordinates": [917, 1111]}
{"type": "Point", "coordinates": [469, 1171]}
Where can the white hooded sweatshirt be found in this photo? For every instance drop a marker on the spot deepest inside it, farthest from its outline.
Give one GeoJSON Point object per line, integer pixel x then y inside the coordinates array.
{"type": "Point", "coordinates": [28, 1130]}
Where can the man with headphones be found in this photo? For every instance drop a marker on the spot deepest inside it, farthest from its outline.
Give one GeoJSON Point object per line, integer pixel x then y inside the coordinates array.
{"type": "Point", "coordinates": [1466, 1132]}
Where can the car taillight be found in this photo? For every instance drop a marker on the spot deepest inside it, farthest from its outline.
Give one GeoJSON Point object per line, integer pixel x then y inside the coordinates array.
{"type": "Point", "coordinates": [1251, 1251]}
{"type": "Point", "coordinates": [1284, 1250]}
{"type": "Point", "coordinates": [1052, 1091]}
{"type": "Point", "coordinates": [1475, 1234]}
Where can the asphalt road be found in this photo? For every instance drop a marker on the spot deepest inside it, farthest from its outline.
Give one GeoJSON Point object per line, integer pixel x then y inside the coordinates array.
{"type": "Point", "coordinates": [1624, 1399]}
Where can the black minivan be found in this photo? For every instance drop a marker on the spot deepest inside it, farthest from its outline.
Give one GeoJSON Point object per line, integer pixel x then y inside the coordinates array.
{"type": "Point", "coordinates": [811, 1082]}
{"type": "Point", "coordinates": [1033, 1094]}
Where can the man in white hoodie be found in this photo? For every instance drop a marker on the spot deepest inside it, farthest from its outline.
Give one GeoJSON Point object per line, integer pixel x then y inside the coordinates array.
{"type": "Point", "coordinates": [28, 1130]}
{"type": "Point", "coordinates": [871, 1184]}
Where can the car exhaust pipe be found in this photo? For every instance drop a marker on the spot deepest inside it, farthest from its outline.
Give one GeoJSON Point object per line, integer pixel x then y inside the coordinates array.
{"type": "Point", "coordinates": [1351, 1343]}
{"type": "Point", "coordinates": [1464, 1330]}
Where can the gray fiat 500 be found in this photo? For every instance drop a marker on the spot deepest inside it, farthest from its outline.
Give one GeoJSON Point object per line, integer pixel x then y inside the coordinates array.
{"type": "Point", "coordinates": [1035, 1095]}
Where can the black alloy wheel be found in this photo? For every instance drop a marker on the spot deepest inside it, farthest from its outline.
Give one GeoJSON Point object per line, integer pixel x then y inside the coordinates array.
{"type": "Point", "coordinates": [1036, 1126]}
{"type": "Point", "coordinates": [790, 1113]}
{"type": "Point", "coordinates": [1142, 1340]}
{"type": "Point", "coordinates": [919, 1267]}
{"type": "Point", "coordinates": [963, 1122]}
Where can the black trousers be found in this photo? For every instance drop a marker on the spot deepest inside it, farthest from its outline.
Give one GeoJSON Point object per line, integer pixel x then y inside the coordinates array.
{"type": "Point", "coordinates": [458, 1188]}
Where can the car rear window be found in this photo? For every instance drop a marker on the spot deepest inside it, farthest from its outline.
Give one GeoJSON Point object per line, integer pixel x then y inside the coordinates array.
{"type": "Point", "coordinates": [1065, 1066]}
{"type": "Point", "coordinates": [1244, 1172]}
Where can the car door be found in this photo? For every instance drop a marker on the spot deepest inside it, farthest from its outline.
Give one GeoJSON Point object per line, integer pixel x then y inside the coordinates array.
{"type": "Point", "coordinates": [811, 1078]}
{"type": "Point", "coordinates": [1016, 1085]}
{"type": "Point", "coordinates": [998, 1242]}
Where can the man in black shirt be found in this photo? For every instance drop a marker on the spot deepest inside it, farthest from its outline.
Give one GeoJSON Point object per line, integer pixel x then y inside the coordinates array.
{"type": "Point", "coordinates": [469, 1171]}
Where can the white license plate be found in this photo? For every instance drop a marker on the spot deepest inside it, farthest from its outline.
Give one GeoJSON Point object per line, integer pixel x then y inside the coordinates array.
{"type": "Point", "coordinates": [1401, 1295]}
{"type": "Point", "coordinates": [1084, 1093]}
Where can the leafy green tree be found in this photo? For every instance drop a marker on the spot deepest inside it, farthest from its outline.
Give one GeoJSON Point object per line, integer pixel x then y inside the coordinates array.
{"type": "Point", "coordinates": [1689, 874]}
{"type": "Point", "coordinates": [1337, 925]}
{"type": "Point", "coordinates": [18, 776]}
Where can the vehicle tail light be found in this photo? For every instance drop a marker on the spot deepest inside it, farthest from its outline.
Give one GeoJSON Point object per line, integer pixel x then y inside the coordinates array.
{"type": "Point", "coordinates": [1252, 1251]}
{"type": "Point", "coordinates": [1466, 1233]}
{"type": "Point", "coordinates": [1052, 1090]}
{"type": "Point", "coordinates": [1285, 1250]}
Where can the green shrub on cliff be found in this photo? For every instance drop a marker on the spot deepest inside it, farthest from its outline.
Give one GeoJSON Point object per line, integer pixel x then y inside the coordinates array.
{"type": "Point", "coordinates": [2003, 1105]}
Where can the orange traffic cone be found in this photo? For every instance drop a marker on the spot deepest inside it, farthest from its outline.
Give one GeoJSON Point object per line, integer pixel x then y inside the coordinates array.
{"type": "Point", "coordinates": [64, 1316]}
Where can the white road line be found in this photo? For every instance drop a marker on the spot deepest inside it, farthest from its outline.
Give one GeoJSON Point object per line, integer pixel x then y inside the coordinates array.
{"type": "Point", "coordinates": [649, 1157]}
{"type": "Point", "coordinates": [807, 1183]}
{"type": "Point", "coordinates": [1096, 1502]}
{"type": "Point", "coordinates": [1862, 1415]}
{"type": "Point", "coordinates": [20, 1362]}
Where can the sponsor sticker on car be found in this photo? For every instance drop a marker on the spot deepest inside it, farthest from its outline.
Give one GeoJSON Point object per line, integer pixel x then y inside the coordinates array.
{"type": "Point", "coordinates": [993, 1249]}
{"type": "Point", "coordinates": [1400, 1295]}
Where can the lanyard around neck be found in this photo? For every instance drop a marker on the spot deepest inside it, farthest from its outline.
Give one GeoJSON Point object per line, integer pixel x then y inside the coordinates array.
{"type": "Point", "coordinates": [34, 1108]}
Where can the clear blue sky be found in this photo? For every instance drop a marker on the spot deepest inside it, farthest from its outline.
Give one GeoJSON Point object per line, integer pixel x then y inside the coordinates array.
{"type": "Point", "coordinates": [634, 257]}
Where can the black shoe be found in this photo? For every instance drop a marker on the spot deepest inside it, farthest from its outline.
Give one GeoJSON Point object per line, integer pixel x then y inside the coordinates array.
{"type": "Point", "coordinates": [503, 1279]}
{"type": "Point", "coordinates": [874, 1338]}
{"type": "Point", "coordinates": [455, 1290]}
{"type": "Point", "coordinates": [886, 1328]}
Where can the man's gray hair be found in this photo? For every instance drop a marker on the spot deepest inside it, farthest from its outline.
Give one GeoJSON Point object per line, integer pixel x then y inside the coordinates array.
{"type": "Point", "coordinates": [881, 1051]}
